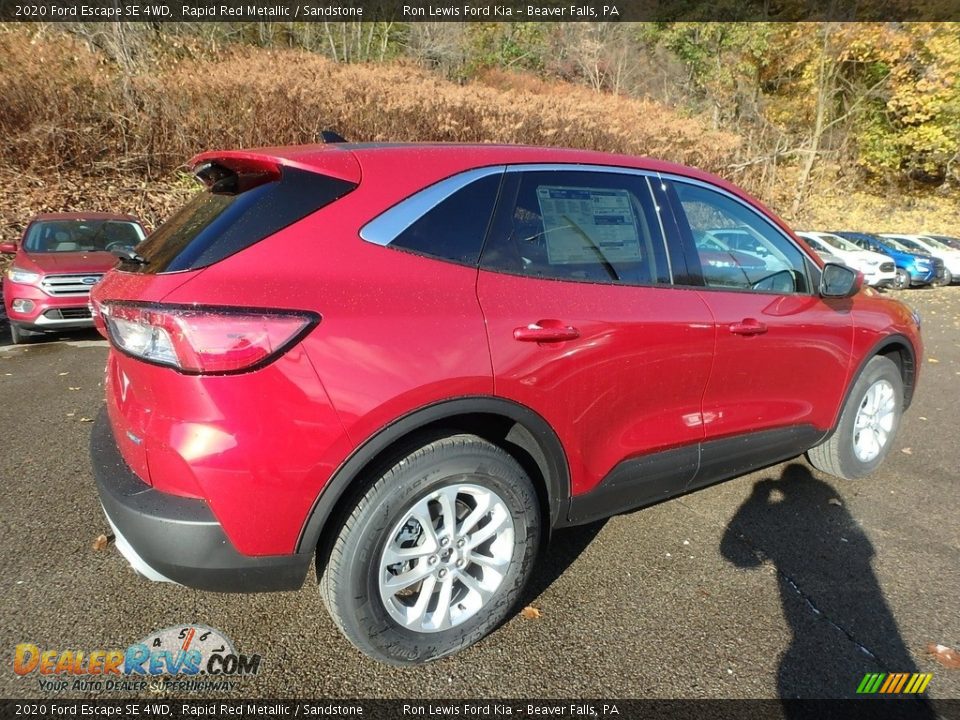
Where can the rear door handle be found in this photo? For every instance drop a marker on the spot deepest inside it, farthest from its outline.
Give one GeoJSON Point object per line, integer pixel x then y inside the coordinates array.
{"type": "Point", "coordinates": [748, 326]}
{"type": "Point", "coordinates": [546, 331]}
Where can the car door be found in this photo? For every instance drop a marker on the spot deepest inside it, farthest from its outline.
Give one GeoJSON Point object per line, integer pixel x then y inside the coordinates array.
{"type": "Point", "coordinates": [586, 329]}
{"type": "Point", "coordinates": [783, 354]}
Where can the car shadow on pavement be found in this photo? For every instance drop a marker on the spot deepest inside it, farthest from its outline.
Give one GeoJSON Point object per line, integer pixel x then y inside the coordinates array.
{"type": "Point", "coordinates": [564, 548]}
{"type": "Point", "coordinates": [842, 626]}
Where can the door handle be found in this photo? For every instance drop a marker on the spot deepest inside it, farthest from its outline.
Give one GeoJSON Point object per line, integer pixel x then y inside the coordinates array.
{"type": "Point", "coordinates": [748, 326]}
{"type": "Point", "coordinates": [546, 331]}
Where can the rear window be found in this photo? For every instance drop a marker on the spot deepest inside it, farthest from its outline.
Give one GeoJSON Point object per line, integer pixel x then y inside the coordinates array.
{"type": "Point", "coordinates": [215, 224]}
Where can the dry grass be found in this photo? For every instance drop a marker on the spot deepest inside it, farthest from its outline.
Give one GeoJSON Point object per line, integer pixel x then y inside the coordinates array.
{"type": "Point", "coordinates": [75, 133]}
{"type": "Point", "coordinates": [65, 108]}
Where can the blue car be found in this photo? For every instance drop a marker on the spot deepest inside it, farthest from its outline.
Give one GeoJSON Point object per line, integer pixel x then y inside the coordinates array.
{"type": "Point", "coordinates": [913, 269]}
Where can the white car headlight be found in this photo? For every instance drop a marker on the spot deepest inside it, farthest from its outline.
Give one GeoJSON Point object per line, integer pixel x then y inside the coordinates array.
{"type": "Point", "coordinates": [23, 276]}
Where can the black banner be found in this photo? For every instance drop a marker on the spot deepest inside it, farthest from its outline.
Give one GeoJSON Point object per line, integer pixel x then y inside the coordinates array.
{"type": "Point", "coordinates": [159, 11]}
{"type": "Point", "coordinates": [179, 709]}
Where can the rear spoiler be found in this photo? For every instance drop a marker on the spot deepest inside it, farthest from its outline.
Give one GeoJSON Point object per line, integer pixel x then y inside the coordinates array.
{"type": "Point", "coordinates": [265, 164]}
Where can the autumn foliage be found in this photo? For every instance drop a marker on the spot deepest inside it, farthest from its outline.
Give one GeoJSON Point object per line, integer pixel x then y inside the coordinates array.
{"type": "Point", "coordinates": [84, 127]}
{"type": "Point", "coordinates": [67, 109]}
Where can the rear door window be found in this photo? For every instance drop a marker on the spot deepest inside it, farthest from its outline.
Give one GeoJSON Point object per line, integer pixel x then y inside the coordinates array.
{"type": "Point", "coordinates": [586, 226]}
{"type": "Point", "coordinates": [218, 223]}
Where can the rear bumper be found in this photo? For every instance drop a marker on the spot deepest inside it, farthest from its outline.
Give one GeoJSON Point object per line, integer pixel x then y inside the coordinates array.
{"type": "Point", "coordinates": [171, 538]}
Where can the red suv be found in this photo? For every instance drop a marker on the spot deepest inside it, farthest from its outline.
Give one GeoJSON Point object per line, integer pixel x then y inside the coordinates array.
{"type": "Point", "coordinates": [59, 258]}
{"type": "Point", "coordinates": [412, 362]}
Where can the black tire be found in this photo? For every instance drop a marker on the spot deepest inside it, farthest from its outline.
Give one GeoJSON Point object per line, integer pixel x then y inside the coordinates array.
{"type": "Point", "coordinates": [836, 455]}
{"type": "Point", "coordinates": [902, 280]}
{"type": "Point", "coordinates": [350, 577]}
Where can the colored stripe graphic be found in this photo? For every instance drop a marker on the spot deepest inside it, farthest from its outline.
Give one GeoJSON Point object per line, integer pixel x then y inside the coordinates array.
{"type": "Point", "coordinates": [894, 683]}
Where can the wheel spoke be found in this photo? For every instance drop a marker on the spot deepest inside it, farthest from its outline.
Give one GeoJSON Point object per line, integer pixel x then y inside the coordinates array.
{"type": "Point", "coordinates": [447, 499]}
{"type": "Point", "coordinates": [471, 520]}
{"type": "Point", "coordinates": [415, 574]}
{"type": "Point", "coordinates": [441, 616]}
{"type": "Point", "coordinates": [472, 584]}
{"type": "Point", "coordinates": [491, 561]}
{"type": "Point", "coordinates": [421, 515]}
{"type": "Point", "coordinates": [393, 554]}
{"type": "Point", "coordinates": [498, 519]}
{"type": "Point", "coordinates": [423, 599]}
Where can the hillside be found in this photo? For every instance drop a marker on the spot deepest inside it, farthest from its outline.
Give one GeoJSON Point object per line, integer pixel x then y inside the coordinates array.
{"type": "Point", "coordinates": [80, 131]}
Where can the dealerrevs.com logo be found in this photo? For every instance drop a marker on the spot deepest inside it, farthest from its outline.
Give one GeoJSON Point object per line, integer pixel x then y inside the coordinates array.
{"type": "Point", "coordinates": [179, 658]}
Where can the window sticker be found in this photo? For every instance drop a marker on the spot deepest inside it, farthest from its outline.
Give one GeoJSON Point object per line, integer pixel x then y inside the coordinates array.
{"type": "Point", "coordinates": [588, 225]}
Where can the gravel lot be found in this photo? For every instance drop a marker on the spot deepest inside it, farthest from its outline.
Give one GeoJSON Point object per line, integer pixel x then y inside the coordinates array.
{"type": "Point", "coordinates": [782, 583]}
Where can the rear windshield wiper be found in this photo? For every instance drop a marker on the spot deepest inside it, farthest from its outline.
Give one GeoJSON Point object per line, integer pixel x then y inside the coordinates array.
{"type": "Point", "coordinates": [130, 255]}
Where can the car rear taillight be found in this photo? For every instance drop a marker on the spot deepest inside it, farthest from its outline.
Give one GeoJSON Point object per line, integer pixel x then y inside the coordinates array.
{"type": "Point", "coordinates": [200, 340]}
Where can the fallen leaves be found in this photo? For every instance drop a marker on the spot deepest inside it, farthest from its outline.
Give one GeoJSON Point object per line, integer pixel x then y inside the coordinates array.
{"type": "Point", "coordinates": [835, 501]}
{"type": "Point", "coordinates": [948, 657]}
{"type": "Point", "coordinates": [101, 543]}
{"type": "Point", "coordinates": [906, 451]}
{"type": "Point", "coordinates": [86, 419]}
{"type": "Point", "coordinates": [530, 613]}
{"type": "Point", "coordinates": [932, 360]}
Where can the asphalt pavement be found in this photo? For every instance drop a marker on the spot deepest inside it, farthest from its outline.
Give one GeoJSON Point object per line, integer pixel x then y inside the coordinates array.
{"type": "Point", "coordinates": [782, 583]}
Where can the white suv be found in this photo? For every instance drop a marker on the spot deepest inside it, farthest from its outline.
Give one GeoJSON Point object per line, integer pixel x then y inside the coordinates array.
{"type": "Point", "coordinates": [878, 270]}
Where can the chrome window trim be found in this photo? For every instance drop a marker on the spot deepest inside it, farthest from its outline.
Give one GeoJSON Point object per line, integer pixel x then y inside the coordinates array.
{"type": "Point", "coordinates": [387, 226]}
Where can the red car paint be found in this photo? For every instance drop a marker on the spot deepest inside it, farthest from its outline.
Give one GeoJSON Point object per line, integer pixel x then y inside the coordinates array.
{"type": "Point", "coordinates": [84, 264]}
{"type": "Point", "coordinates": [651, 368]}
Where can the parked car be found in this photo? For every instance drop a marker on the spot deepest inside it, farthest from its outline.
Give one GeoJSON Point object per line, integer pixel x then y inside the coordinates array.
{"type": "Point", "coordinates": [937, 249]}
{"type": "Point", "coordinates": [58, 259]}
{"type": "Point", "coordinates": [408, 364]}
{"type": "Point", "coordinates": [878, 270]}
{"type": "Point", "coordinates": [947, 240]}
{"type": "Point", "coordinates": [913, 268]}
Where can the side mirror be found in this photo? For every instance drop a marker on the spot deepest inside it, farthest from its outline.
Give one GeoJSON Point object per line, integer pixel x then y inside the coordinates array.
{"type": "Point", "coordinates": [840, 281]}
{"type": "Point", "coordinates": [8, 248]}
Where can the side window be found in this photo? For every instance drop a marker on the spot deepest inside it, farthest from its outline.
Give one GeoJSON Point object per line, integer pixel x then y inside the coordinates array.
{"type": "Point", "coordinates": [581, 226]}
{"type": "Point", "coordinates": [451, 229]}
{"type": "Point", "coordinates": [737, 247]}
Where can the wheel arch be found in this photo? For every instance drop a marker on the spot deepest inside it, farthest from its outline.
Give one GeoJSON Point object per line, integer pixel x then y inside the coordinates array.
{"type": "Point", "coordinates": [900, 350]}
{"type": "Point", "coordinates": [515, 428]}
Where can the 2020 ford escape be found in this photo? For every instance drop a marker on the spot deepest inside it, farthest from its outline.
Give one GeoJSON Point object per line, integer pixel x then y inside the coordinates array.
{"type": "Point", "coordinates": [409, 363]}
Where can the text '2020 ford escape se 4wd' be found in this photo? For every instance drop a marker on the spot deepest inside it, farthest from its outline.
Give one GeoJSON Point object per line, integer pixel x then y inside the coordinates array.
{"type": "Point", "coordinates": [411, 362]}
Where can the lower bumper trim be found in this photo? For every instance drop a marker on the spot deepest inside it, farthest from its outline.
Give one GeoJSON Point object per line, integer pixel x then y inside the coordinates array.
{"type": "Point", "coordinates": [177, 539]}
